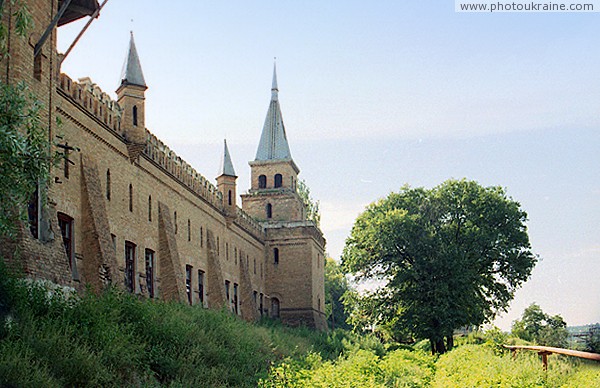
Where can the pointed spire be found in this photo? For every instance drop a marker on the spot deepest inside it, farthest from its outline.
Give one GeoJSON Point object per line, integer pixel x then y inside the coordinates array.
{"type": "Point", "coordinates": [226, 164]}
{"type": "Point", "coordinates": [273, 141]}
{"type": "Point", "coordinates": [274, 89]}
{"type": "Point", "coordinates": [132, 70]}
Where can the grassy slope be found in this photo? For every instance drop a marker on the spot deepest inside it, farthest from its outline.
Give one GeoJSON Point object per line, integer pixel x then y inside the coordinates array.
{"type": "Point", "coordinates": [117, 340]}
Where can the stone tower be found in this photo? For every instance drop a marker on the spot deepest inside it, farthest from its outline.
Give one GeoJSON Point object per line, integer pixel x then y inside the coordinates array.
{"type": "Point", "coordinates": [131, 97]}
{"type": "Point", "coordinates": [226, 183]}
{"type": "Point", "coordinates": [294, 246]}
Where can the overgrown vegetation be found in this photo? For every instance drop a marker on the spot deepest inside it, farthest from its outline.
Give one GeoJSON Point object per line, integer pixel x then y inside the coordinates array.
{"type": "Point", "coordinates": [51, 337]}
{"type": "Point", "coordinates": [541, 328]}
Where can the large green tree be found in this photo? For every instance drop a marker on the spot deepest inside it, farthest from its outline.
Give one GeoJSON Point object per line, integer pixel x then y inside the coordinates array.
{"type": "Point", "coordinates": [447, 257]}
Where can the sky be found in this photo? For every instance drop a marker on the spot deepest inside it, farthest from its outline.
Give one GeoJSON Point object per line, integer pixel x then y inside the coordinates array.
{"type": "Point", "coordinates": [380, 94]}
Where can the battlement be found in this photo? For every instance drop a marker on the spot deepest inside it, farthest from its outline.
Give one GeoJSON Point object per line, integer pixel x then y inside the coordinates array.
{"type": "Point", "coordinates": [96, 102]}
{"type": "Point", "coordinates": [250, 224]}
{"type": "Point", "coordinates": [162, 155]}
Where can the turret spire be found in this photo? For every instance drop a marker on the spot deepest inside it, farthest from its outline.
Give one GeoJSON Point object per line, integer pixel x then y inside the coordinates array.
{"type": "Point", "coordinates": [226, 167]}
{"type": "Point", "coordinates": [132, 69]}
{"type": "Point", "coordinates": [273, 141]}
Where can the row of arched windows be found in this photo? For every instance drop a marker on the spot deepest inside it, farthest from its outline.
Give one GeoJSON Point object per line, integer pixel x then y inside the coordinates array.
{"type": "Point", "coordinates": [277, 181]}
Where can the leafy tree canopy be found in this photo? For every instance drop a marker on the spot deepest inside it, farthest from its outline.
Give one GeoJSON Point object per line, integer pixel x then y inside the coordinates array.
{"type": "Point", "coordinates": [541, 328]}
{"type": "Point", "coordinates": [447, 257]}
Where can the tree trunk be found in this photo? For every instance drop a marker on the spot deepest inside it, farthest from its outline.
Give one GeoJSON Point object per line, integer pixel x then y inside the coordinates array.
{"type": "Point", "coordinates": [437, 346]}
{"type": "Point", "coordinates": [449, 342]}
{"type": "Point", "coordinates": [440, 346]}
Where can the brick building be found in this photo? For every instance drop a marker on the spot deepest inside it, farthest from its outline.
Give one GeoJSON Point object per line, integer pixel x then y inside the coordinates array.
{"type": "Point", "coordinates": [124, 209]}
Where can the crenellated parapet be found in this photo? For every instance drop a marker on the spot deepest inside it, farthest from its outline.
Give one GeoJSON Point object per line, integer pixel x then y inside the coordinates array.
{"type": "Point", "coordinates": [90, 97]}
{"type": "Point", "coordinates": [245, 221]}
{"type": "Point", "coordinates": [164, 157]}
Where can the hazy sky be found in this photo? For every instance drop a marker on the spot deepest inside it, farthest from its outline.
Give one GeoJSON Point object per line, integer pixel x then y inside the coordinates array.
{"type": "Point", "coordinates": [378, 94]}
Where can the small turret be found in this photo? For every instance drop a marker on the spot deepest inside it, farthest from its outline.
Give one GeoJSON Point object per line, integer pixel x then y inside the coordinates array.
{"type": "Point", "coordinates": [226, 182]}
{"type": "Point", "coordinates": [131, 97]}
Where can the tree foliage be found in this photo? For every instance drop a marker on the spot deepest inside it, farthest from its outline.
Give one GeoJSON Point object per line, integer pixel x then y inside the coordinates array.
{"type": "Point", "coordinates": [25, 158]}
{"type": "Point", "coordinates": [541, 328]}
{"type": "Point", "coordinates": [448, 257]}
{"type": "Point", "coordinates": [312, 206]}
{"type": "Point", "coordinates": [336, 285]}
{"type": "Point", "coordinates": [22, 22]}
{"type": "Point", "coordinates": [592, 339]}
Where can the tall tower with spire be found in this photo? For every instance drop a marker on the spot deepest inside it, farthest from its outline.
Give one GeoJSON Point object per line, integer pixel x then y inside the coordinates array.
{"type": "Point", "coordinates": [274, 174]}
{"type": "Point", "coordinates": [131, 97]}
{"type": "Point", "coordinates": [295, 247]}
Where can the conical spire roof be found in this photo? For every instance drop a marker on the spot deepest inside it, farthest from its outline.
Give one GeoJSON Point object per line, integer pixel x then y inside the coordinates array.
{"type": "Point", "coordinates": [132, 70]}
{"type": "Point", "coordinates": [226, 167]}
{"type": "Point", "coordinates": [273, 141]}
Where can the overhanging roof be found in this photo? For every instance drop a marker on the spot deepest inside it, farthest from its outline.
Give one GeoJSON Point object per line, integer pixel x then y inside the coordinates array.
{"type": "Point", "coordinates": [76, 10]}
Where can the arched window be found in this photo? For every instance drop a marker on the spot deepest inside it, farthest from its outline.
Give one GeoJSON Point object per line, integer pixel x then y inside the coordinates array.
{"type": "Point", "coordinates": [275, 255]}
{"type": "Point", "coordinates": [130, 197]}
{"type": "Point", "coordinates": [278, 180]}
{"type": "Point", "coordinates": [274, 308]}
{"type": "Point", "coordinates": [262, 182]}
{"type": "Point", "coordinates": [108, 184]}
{"type": "Point", "coordinates": [229, 199]}
{"type": "Point", "coordinates": [135, 116]}
{"type": "Point", "coordinates": [269, 210]}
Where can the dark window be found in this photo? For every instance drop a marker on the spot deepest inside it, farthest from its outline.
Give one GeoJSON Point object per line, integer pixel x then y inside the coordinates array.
{"type": "Point", "coordinates": [189, 230]}
{"type": "Point", "coordinates": [229, 199]}
{"type": "Point", "coordinates": [227, 292]}
{"type": "Point", "coordinates": [201, 286]}
{"type": "Point", "coordinates": [274, 308]}
{"type": "Point", "coordinates": [150, 208]}
{"type": "Point", "coordinates": [135, 116]}
{"type": "Point", "coordinates": [218, 247]}
{"type": "Point", "coordinates": [175, 221]}
{"type": "Point", "coordinates": [150, 272]}
{"type": "Point", "coordinates": [260, 304]}
{"type": "Point", "coordinates": [33, 213]}
{"type": "Point", "coordinates": [201, 237]}
{"type": "Point", "coordinates": [108, 185]}
{"type": "Point", "coordinates": [235, 298]}
{"type": "Point", "coordinates": [66, 230]}
{"type": "Point", "coordinates": [114, 241]}
{"type": "Point", "coordinates": [188, 282]}
{"type": "Point", "coordinates": [262, 182]}
{"type": "Point", "coordinates": [129, 266]}
{"type": "Point", "coordinates": [227, 251]}
{"type": "Point", "coordinates": [269, 210]}
{"type": "Point", "coordinates": [255, 266]}
{"type": "Point", "coordinates": [278, 180]}
{"type": "Point", "coordinates": [130, 197]}
{"type": "Point", "coordinates": [255, 298]}
{"type": "Point", "coordinates": [276, 255]}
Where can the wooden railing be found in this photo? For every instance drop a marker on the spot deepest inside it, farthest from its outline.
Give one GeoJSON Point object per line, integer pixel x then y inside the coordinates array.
{"type": "Point", "coordinates": [544, 351]}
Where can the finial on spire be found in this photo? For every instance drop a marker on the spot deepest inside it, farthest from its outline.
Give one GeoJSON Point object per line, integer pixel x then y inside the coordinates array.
{"type": "Point", "coordinates": [274, 89]}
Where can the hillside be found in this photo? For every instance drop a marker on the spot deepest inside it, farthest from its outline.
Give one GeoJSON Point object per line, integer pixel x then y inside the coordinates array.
{"type": "Point", "coordinates": [51, 338]}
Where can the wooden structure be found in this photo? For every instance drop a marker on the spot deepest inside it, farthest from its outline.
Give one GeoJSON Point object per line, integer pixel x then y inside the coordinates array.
{"type": "Point", "coordinates": [544, 351]}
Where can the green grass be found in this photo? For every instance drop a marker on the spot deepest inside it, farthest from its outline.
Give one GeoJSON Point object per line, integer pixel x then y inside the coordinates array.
{"type": "Point", "coordinates": [55, 339]}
